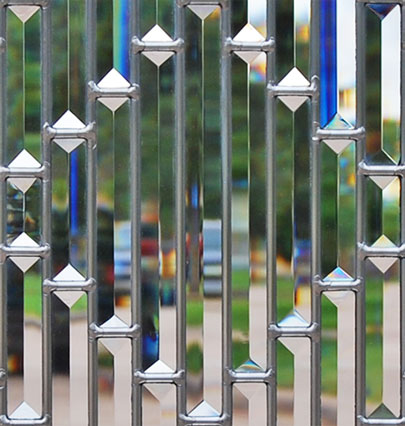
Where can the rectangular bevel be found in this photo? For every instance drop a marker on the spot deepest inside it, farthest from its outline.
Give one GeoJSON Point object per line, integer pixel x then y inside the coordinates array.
{"type": "Point", "coordinates": [249, 404]}
{"type": "Point", "coordinates": [114, 382]}
{"type": "Point", "coordinates": [24, 336]}
{"type": "Point", "coordinates": [383, 343]}
{"type": "Point", "coordinates": [338, 358]}
{"type": "Point", "coordinates": [69, 200]}
{"type": "Point", "coordinates": [159, 405]}
{"type": "Point", "coordinates": [23, 82]}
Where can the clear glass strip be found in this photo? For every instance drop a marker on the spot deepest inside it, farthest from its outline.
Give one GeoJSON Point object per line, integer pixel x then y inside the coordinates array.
{"type": "Point", "coordinates": [159, 405]}
{"type": "Point", "coordinates": [249, 408]}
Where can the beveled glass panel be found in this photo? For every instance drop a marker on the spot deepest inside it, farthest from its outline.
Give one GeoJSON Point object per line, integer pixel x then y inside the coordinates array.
{"type": "Point", "coordinates": [293, 378]}
{"type": "Point", "coordinates": [159, 405]}
{"type": "Point", "coordinates": [292, 210]}
{"type": "Point", "coordinates": [69, 242]}
{"type": "Point", "coordinates": [23, 82]}
{"type": "Point", "coordinates": [158, 12]}
{"type": "Point", "coordinates": [68, 71]}
{"type": "Point", "coordinates": [249, 407]}
{"type": "Point", "coordinates": [157, 211]}
{"type": "Point", "coordinates": [383, 84]}
{"type": "Point", "coordinates": [383, 374]}
{"type": "Point", "coordinates": [338, 358]}
{"type": "Point", "coordinates": [383, 220]}
{"type": "Point", "coordinates": [24, 307]}
{"type": "Point", "coordinates": [69, 315]}
{"type": "Point", "coordinates": [114, 381]}
{"type": "Point", "coordinates": [204, 287]}
{"type": "Point", "coordinates": [338, 181]}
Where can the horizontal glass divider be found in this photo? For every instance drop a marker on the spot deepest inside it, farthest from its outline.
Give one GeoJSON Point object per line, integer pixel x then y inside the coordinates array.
{"type": "Point", "coordinates": [42, 421]}
{"type": "Point", "coordinates": [24, 172]}
{"type": "Point", "coordinates": [40, 3]}
{"type": "Point", "coordinates": [320, 286]}
{"type": "Point", "coordinates": [266, 377]}
{"type": "Point", "coordinates": [40, 251]}
{"type": "Point", "coordinates": [381, 422]}
{"type": "Point", "coordinates": [381, 170]}
{"type": "Point", "coordinates": [216, 420]}
{"type": "Point", "coordinates": [139, 46]}
{"type": "Point", "coordinates": [96, 92]}
{"type": "Point", "coordinates": [88, 133]}
{"type": "Point", "coordinates": [185, 3]}
{"type": "Point", "coordinates": [369, 251]}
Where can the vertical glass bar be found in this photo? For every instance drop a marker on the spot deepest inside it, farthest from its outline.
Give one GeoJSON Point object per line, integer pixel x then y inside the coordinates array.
{"type": "Point", "coordinates": [338, 357]}
{"type": "Point", "coordinates": [159, 405]}
{"type": "Point", "coordinates": [158, 12]}
{"type": "Point", "coordinates": [338, 209]}
{"type": "Point", "coordinates": [383, 83]}
{"type": "Point", "coordinates": [204, 203]}
{"type": "Point", "coordinates": [24, 337]}
{"type": "Point", "coordinates": [383, 337]}
{"type": "Point", "coordinates": [249, 406]}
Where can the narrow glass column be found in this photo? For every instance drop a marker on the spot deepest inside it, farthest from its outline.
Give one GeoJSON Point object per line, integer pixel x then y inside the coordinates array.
{"type": "Point", "coordinates": [249, 406]}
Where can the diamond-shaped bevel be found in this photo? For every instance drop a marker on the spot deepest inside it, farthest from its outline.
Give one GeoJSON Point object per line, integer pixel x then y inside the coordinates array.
{"type": "Point", "coordinates": [24, 262]}
{"type": "Point", "coordinates": [23, 160]}
{"type": "Point", "coordinates": [382, 412]}
{"type": "Point", "coordinates": [294, 79]}
{"type": "Point", "coordinates": [113, 345]}
{"type": "Point", "coordinates": [249, 365]}
{"type": "Point", "coordinates": [382, 181]}
{"type": "Point", "coordinates": [381, 10]}
{"type": "Point", "coordinates": [24, 411]}
{"type": "Point", "coordinates": [383, 263]}
{"type": "Point", "coordinates": [157, 34]}
{"type": "Point", "coordinates": [25, 12]}
{"type": "Point", "coordinates": [69, 273]}
{"type": "Point", "coordinates": [203, 409]}
{"type": "Point", "coordinates": [202, 11]}
{"type": "Point", "coordinates": [338, 123]}
{"type": "Point", "coordinates": [294, 320]}
{"type": "Point", "coordinates": [113, 80]}
{"type": "Point", "coordinates": [248, 34]}
{"type": "Point", "coordinates": [69, 298]}
{"type": "Point", "coordinates": [338, 274]}
{"type": "Point", "coordinates": [69, 121]}
{"type": "Point", "coordinates": [159, 367]}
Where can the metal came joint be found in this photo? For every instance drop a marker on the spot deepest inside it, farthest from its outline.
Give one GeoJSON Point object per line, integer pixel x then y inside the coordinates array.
{"type": "Point", "coordinates": [205, 421]}
{"type": "Point", "coordinates": [367, 251]}
{"type": "Point", "coordinates": [161, 46]}
{"type": "Point", "coordinates": [97, 92]}
{"type": "Point", "coordinates": [381, 170]}
{"type": "Point", "coordinates": [185, 3]}
{"type": "Point", "coordinates": [43, 421]}
{"type": "Point", "coordinates": [40, 251]}
{"type": "Point", "coordinates": [39, 3]}
{"type": "Point", "coordinates": [351, 134]}
{"type": "Point", "coordinates": [311, 91]}
{"type": "Point", "coordinates": [97, 332]}
{"type": "Point", "coordinates": [381, 422]}
{"type": "Point", "coordinates": [320, 286]}
{"type": "Point", "coordinates": [233, 376]}
{"type": "Point", "coordinates": [49, 286]}
{"type": "Point", "coordinates": [88, 133]}
{"type": "Point", "coordinates": [312, 331]}
{"type": "Point", "coordinates": [23, 172]}
{"type": "Point", "coordinates": [176, 377]}
{"type": "Point", "coordinates": [262, 46]}
{"type": "Point", "coordinates": [3, 44]}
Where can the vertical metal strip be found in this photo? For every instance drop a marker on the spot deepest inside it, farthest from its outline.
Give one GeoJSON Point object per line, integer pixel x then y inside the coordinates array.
{"type": "Point", "coordinates": [46, 117]}
{"type": "Point", "coordinates": [180, 239]}
{"type": "Point", "coordinates": [315, 191]}
{"type": "Point", "coordinates": [360, 212]}
{"type": "Point", "coordinates": [135, 149]}
{"type": "Point", "coordinates": [3, 212]}
{"type": "Point", "coordinates": [402, 213]}
{"type": "Point", "coordinates": [226, 159]}
{"type": "Point", "coordinates": [271, 230]}
{"type": "Point", "coordinates": [91, 209]}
